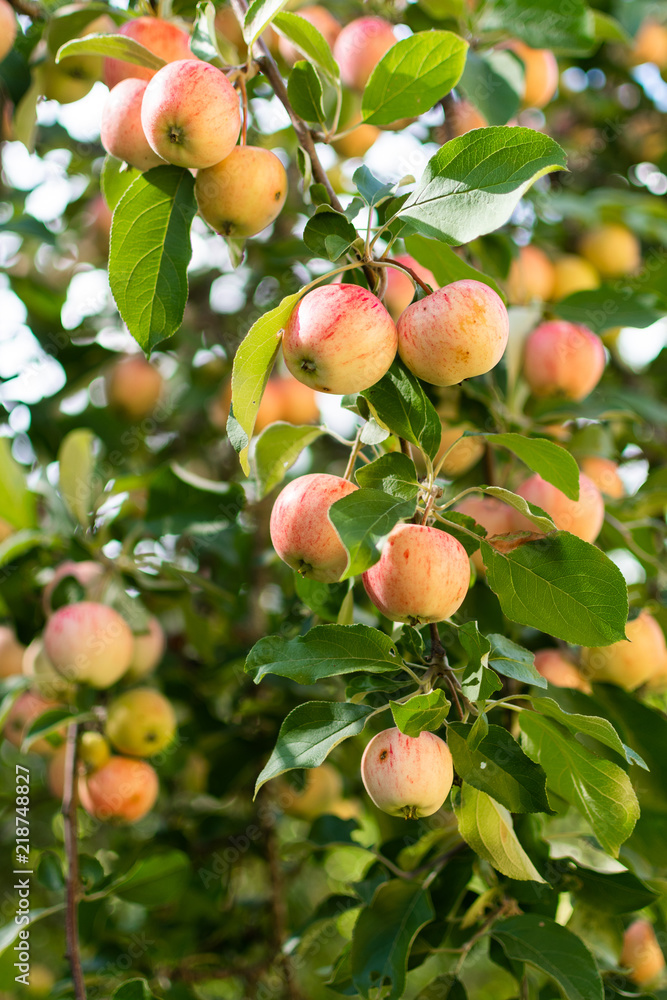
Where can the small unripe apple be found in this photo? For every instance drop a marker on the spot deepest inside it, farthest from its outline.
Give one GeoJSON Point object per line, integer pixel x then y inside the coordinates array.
{"type": "Point", "coordinates": [604, 473]}
{"type": "Point", "coordinates": [89, 643]}
{"type": "Point", "coordinates": [134, 387]}
{"type": "Point", "coordinates": [582, 517]}
{"type": "Point", "coordinates": [359, 48]}
{"type": "Point", "coordinates": [7, 28]}
{"type": "Point", "coordinates": [339, 339]}
{"type": "Point", "coordinates": [323, 786]}
{"type": "Point", "coordinates": [37, 665]}
{"type": "Point", "coordinates": [190, 114]}
{"type": "Point", "coordinates": [141, 722]}
{"type": "Point", "coordinates": [244, 193]}
{"type": "Point", "coordinates": [149, 649]}
{"type": "Point", "coordinates": [94, 750]}
{"type": "Point", "coordinates": [320, 18]}
{"type": "Point", "coordinates": [456, 333]}
{"type": "Point", "coordinates": [422, 576]}
{"type": "Point", "coordinates": [124, 789]}
{"type": "Point", "coordinates": [540, 74]}
{"type": "Point", "coordinates": [493, 515]}
{"type": "Point", "coordinates": [88, 574]}
{"type": "Point", "coordinates": [400, 288]}
{"type": "Point", "coordinates": [563, 359]}
{"type": "Point", "coordinates": [28, 706]}
{"type": "Point", "coordinates": [573, 274]}
{"type": "Point", "coordinates": [559, 670]}
{"type": "Point", "coordinates": [612, 249]}
{"type": "Point", "coordinates": [301, 532]}
{"type": "Point", "coordinates": [162, 38]}
{"type": "Point", "coordinates": [641, 953]}
{"type": "Point", "coordinates": [532, 277]}
{"type": "Point", "coordinates": [632, 662]}
{"type": "Point", "coordinates": [407, 776]}
{"type": "Point", "coordinates": [71, 79]}
{"type": "Point", "coordinates": [11, 653]}
{"type": "Point", "coordinates": [121, 133]}
{"type": "Point", "coordinates": [464, 455]}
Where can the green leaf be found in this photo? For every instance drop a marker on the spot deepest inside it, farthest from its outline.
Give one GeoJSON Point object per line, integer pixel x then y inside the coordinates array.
{"type": "Point", "coordinates": [133, 989]}
{"type": "Point", "coordinates": [372, 190]}
{"type": "Point", "coordinates": [554, 950]}
{"type": "Point", "coordinates": [423, 712]}
{"type": "Point", "coordinates": [562, 586]}
{"type": "Point", "coordinates": [493, 81]}
{"type": "Point", "coordinates": [473, 183]}
{"type": "Point", "coordinates": [70, 21]}
{"type": "Point", "coordinates": [24, 541]}
{"type": "Point", "coordinates": [479, 681]}
{"type": "Point", "coordinates": [445, 263]}
{"type": "Point", "coordinates": [115, 179]}
{"type": "Point", "coordinates": [276, 451]}
{"type": "Point", "coordinates": [445, 987]}
{"type": "Point", "coordinates": [307, 38]}
{"type": "Point", "coordinates": [258, 16]}
{"type": "Point", "coordinates": [486, 826]}
{"type": "Point", "coordinates": [541, 521]}
{"type": "Point", "coordinates": [511, 660]}
{"type": "Point", "coordinates": [412, 76]}
{"type": "Point", "coordinates": [618, 892]}
{"type": "Point", "coordinates": [499, 767]}
{"type": "Point", "coordinates": [76, 460]}
{"type": "Point", "coordinates": [608, 306]}
{"type": "Point", "coordinates": [150, 251]}
{"type": "Point", "coordinates": [50, 872]}
{"type": "Point", "coordinates": [548, 459]}
{"type": "Point", "coordinates": [252, 366]}
{"type": "Point", "coordinates": [305, 92]}
{"type": "Point", "coordinates": [399, 403]}
{"type": "Point", "coordinates": [608, 29]}
{"type": "Point", "coordinates": [204, 38]}
{"type": "Point", "coordinates": [543, 23]}
{"type": "Point", "coordinates": [309, 734]}
{"type": "Point", "coordinates": [51, 722]}
{"type": "Point", "coordinates": [597, 788]}
{"type": "Point", "coordinates": [325, 599]}
{"type": "Point", "coordinates": [363, 520]}
{"type": "Point", "coordinates": [9, 932]}
{"type": "Point", "coordinates": [383, 936]}
{"type": "Point", "coordinates": [111, 46]}
{"type": "Point", "coordinates": [394, 474]}
{"type": "Point", "coordinates": [589, 725]}
{"type": "Point", "coordinates": [329, 233]}
{"type": "Point", "coordinates": [155, 880]}
{"type": "Point", "coordinates": [325, 651]}
{"type": "Point", "coordinates": [17, 503]}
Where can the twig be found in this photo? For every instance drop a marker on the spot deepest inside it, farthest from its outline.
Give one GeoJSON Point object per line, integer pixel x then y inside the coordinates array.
{"type": "Point", "coordinates": [244, 101]}
{"type": "Point", "coordinates": [353, 454]}
{"type": "Point", "coordinates": [278, 896]}
{"type": "Point", "coordinates": [71, 852]}
{"type": "Point", "coordinates": [384, 262]}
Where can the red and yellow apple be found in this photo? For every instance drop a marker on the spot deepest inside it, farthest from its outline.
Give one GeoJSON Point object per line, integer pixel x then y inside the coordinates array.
{"type": "Point", "coordinates": [244, 193]}
{"type": "Point", "coordinates": [7, 28]}
{"type": "Point", "coordinates": [28, 706]}
{"type": "Point", "coordinates": [494, 516]}
{"type": "Point", "coordinates": [359, 48]}
{"type": "Point", "coordinates": [124, 790]}
{"type": "Point", "coordinates": [604, 473]}
{"type": "Point", "coordinates": [632, 662]}
{"type": "Point", "coordinates": [323, 786]}
{"type": "Point", "coordinates": [400, 287]}
{"type": "Point", "coordinates": [573, 274]}
{"type": "Point", "coordinates": [540, 74]}
{"type": "Point", "coordinates": [148, 650]}
{"type": "Point", "coordinates": [89, 643]}
{"type": "Point", "coordinates": [532, 277]}
{"type": "Point", "coordinates": [121, 133]}
{"type": "Point", "coordinates": [162, 38]}
{"type": "Point", "coordinates": [612, 249]}
{"type": "Point", "coordinates": [563, 359]}
{"type": "Point", "coordinates": [559, 670]}
{"type": "Point", "coordinates": [134, 387]}
{"type": "Point", "coordinates": [641, 953]}
{"type": "Point", "coordinates": [582, 517]}
{"type": "Point", "coordinates": [405, 775]}
{"type": "Point", "coordinates": [88, 575]}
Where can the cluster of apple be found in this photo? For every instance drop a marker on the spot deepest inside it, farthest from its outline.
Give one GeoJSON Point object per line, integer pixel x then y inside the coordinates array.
{"type": "Point", "coordinates": [89, 643]}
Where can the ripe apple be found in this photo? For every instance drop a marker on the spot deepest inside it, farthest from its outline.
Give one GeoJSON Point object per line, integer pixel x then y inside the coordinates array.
{"type": "Point", "coordinates": [28, 706]}
{"type": "Point", "coordinates": [301, 532]}
{"type": "Point", "coordinates": [244, 193]}
{"type": "Point", "coordinates": [582, 517]}
{"type": "Point", "coordinates": [359, 48]}
{"type": "Point", "coordinates": [141, 722]}
{"type": "Point", "coordinates": [604, 473]}
{"type": "Point", "coordinates": [94, 750]}
{"type": "Point", "coordinates": [285, 398]}
{"type": "Point", "coordinates": [89, 643]}
{"type": "Point", "coordinates": [462, 457]}
{"type": "Point", "coordinates": [87, 573]}
{"type": "Point", "coordinates": [149, 649]}
{"type": "Point", "coordinates": [11, 653]}
{"type": "Point", "coordinates": [320, 18]}
{"type": "Point", "coordinates": [163, 38]}
{"type": "Point", "coordinates": [339, 339]}
{"type": "Point", "coordinates": [532, 277]}
{"type": "Point", "coordinates": [400, 289]}
{"type": "Point", "coordinates": [629, 663]}
{"type": "Point", "coordinates": [36, 665]}
{"type": "Point", "coordinates": [121, 133]}
{"type": "Point", "coordinates": [71, 79]}
{"type": "Point", "coordinates": [190, 114]}
{"type": "Point", "coordinates": [463, 117]}
{"type": "Point", "coordinates": [650, 44]}
{"type": "Point", "coordinates": [7, 28]}
{"type": "Point", "coordinates": [360, 140]}
{"type": "Point", "coordinates": [563, 359]}
{"type": "Point", "coordinates": [559, 670]}
{"type": "Point", "coordinates": [641, 953]}
{"type": "Point", "coordinates": [422, 576]}
{"type": "Point", "coordinates": [407, 776]}
{"type": "Point", "coordinates": [323, 786]}
{"type": "Point", "coordinates": [134, 387]}
{"type": "Point", "coordinates": [612, 249]}
{"type": "Point", "coordinates": [457, 332]}
{"type": "Point", "coordinates": [124, 789]}
{"type": "Point", "coordinates": [540, 74]}
{"type": "Point", "coordinates": [493, 515]}
{"type": "Point", "coordinates": [573, 274]}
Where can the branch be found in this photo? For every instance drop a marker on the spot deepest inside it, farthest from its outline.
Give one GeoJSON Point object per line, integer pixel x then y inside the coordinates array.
{"type": "Point", "coordinates": [385, 262]}
{"type": "Point", "coordinates": [71, 852]}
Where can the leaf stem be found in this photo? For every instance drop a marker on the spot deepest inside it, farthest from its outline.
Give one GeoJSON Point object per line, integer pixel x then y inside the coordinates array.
{"type": "Point", "coordinates": [353, 454]}
{"type": "Point", "coordinates": [73, 888]}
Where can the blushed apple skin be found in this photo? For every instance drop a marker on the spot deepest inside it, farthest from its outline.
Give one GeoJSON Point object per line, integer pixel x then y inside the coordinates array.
{"type": "Point", "coordinates": [422, 576]}
{"type": "Point", "coordinates": [89, 643]}
{"type": "Point", "coordinates": [642, 953]}
{"type": "Point", "coordinates": [134, 387]}
{"type": "Point", "coordinates": [532, 277]}
{"type": "Point", "coordinates": [7, 28]}
{"type": "Point", "coordinates": [629, 664]}
{"type": "Point", "coordinates": [456, 333]}
{"type": "Point", "coordinates": [540, 74]}
{"type": "Point", "coordinates": [339, 339]}
{"type": "Point", "coordinates": [11, 653]}
{"type": "Point", "coordinates": [464, 455]}
{"type": "Point", "coordinates": [400, 289]}
{"type": "Point", "coordinates": [604, 473]}
{"type": "Point", "coordinates": [359, 48]}
{"type": "Point", "coordinates": [121, 133]}
{"type": "Point", "coordinates": [407, 776]}
{"type": "Point", "coordinates": [563, 359]}
{"type": "Point", "coordinates": [244, 193]}
{"type": "Point", "coordinates": [190, 114]}
{"type": "Point", "coordinates": [163, 38]}
{"type": "Point", "coordinates": [124, 789]}
{"type": "Point", "coordinates": [301, 532]}
{"type": "Point", "coordinates": [149, 649]}
{"type": "Point", "coordinates": [141, 722]}
{"type": "Point", "coordinates": [582, 517]}
{"type": "Point", "coordinates": [87, 573]}
{"type": "Point", "coordinates": [493, 515]}
{"type": "Point", "coordinates": [559, 670]}
{"type": "Point", "coordinates": [320, 18]}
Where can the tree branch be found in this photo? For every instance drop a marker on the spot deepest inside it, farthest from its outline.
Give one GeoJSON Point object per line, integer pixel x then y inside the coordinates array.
{"type": "Point", "coordinates": [278, 897]}
{"type": "Point", "coordinates": [71, 852]}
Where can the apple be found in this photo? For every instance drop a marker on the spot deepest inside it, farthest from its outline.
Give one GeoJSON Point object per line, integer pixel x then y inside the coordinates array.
{"type": "Point", "coordinates": [244, 193]}
{"type": "Point", "coordinates": [141, 722]}
{"type": "Point", "coordinates": [320, 18]}
{"type": "Point", "coordinates": [563, 359]}
{"type": "Point", "coordinates": [462, 117]}
{"type": "Point", "coordinates": [493, 515]}
{"type": "Point", "coordinates": [190, 114]}
{"type": "Point", "coordinates": [124, 789]}
{"type": "Point", "coordinates": [284, 398]}
{"type": "Point", "coordinates": [71, 79]}
{"type": "Point", "coordinates": [456, 333]}
{"type": "Point", "coordinates": [532, 277]}
{"type": "Point", "coordinates": [632, 662]}
{"type": "Point", "coordinates": [7, 28]}
{"type": "Point", "coordinates": [573, 274]}
{"type": "Point", "coordinates": [339, 339]}
{"type": "Point", "coordinates": [612, 249]}
{"type": "Point", "coordinates": [359, 48]}
{"type": "Point", "coordinates": [301, 532]}
{"type": "Point", "coordinates": [650, 44]}
{"type": "Point", "coordinates": [94, 750]}
{"type": "Point", "coordinates": [36, 665]}
{"type": "Point", "coordinates": [604, 473]}
{"type": "Point", "coordinates": [405, 775]}
{"type": "Point", "coordinates": [400, 288]}
{"type": "Point", "coordinates": [323, 786]}
{"type": "Point", "coordinates": [540, 74]}
{"type": "Point", "coordinates": [11, 653]}
{"type": "Point", "coordinates": [641, 953]}
{"type": "Point", "coordinates": [422, 576]}
{"type": "Point", "coordinates": [28, 706]}
{"type": "Point", "coordinates": [148, 650]}
{"type": "Point", "coordinates": [361, 138]}
{"type": "Point", "coordinates": [121, 133]}
{"type": "Point", "coordinates": [582, 517]}
{"type": "Point", "coordinates": [134, 387]}
{"type": "Point", "coordinates": [559, 670]}
{"type": "Point", "coordinates": [89, 643]}
{"type": "Point", "coordinates": [88, 574]}
{"type": "Point", "coordinates": [463, 456]}
{"type": "Point", "coordinates": [163, 38]}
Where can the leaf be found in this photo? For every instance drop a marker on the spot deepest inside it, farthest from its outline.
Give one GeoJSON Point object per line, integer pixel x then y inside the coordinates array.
{"type": "Point", "coordinates": [115, 179]}
{"type": "Point", "coordinates": [479, 681]}
{"type": "Point", "coordinates": [486, 826]}
{"type": "Point", "coordinates": [372, 190]}
{"type": "Point", "coordinates": [541, 521]}
{"type": "Point", "coordinates": [76, 461]}
{"type": "Point", "coordinates": [325, 651]}
{"type": "Point", "coordinates": [307, 38]}
{"type": "Point", "coordinates": [548, 459]}
{"type": "Point", "coordinates": [499, 767]}
{"type": "Point", "coordinates": [562, 586]}
{"type": "Point", "coordinates": [618, 892]}
{"type": "Point", "coordinates": [363, 520]}
{"type": "Point", "coordinates": [445, 263]}
{"type": "Point", "coordinates": [597, 788]}
{"type": "Point", "coordinates": [277, 449]}
{"type": "Point", "coordinates": [494, 81]}
{"type": "Point", "coordinates": [606, 307]}
{"type": "Point", "coordinates": [133, 989]}
{"type": "Point", "coordinates": [181, 502]}
{"type": "Point", "coordinates": [553, 949]}
{"type": "Point", "coordinates": [150, 251]}
{"type": "Point", "coordinates": [70, 21]}
{"type": "Point", "coordinates": [590, 725]}
{"type": "Point", "coordinates": [113, 47]}
{"type": "Point", "coordinates": [17, 503]}
{"type": "Point", "coordinates": [309, 734]}
{"type": "Point", "coordinates": [258, 16]}
{"type": "Point", "coordinates": [423, 712]}
{"type": "Point", "coordinates": [412, 76]}
{"type": "Point", "coordinates": [394, 474]}
{"type": "Point", "coordinates": [54, 720]}
{"type": "Point", "coordinates": [50, 872]}
{"type": "Point", "coordinates": [204, 38]}
{"type": "Point", "coordinates": [399, 403]}
{"type": "Point", "coordinates": [383, 936]}
{"type": "Point", "coordinates": [252, 366]}
{"type": "Point", "coordinates": [445, 987]}
{"type": "Point", "coordinates": [9, 932]}
{"type": "Point", "coordinates": [325, 599]}
{"type": "Point", "coordinates": [511, 660]}
{"type": "Point", "coordinates": [329, 233]}
{"type": "Point", "coordinates": [473, 183]}
{"type": "Point", "coordinates": [305, 92]}
{"type": "Point", "coordinates": [155, 880]}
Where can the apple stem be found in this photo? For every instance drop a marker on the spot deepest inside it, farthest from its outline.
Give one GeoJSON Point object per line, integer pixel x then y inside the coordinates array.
{"type": "Point", "coordinates": [244, 102]}
{"type": "Point", "coordinates": [71, 852]}
{"type": "Point", "coordinates": [383, 262]}
{"type": "Point", "coordinates": [353, 454]}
